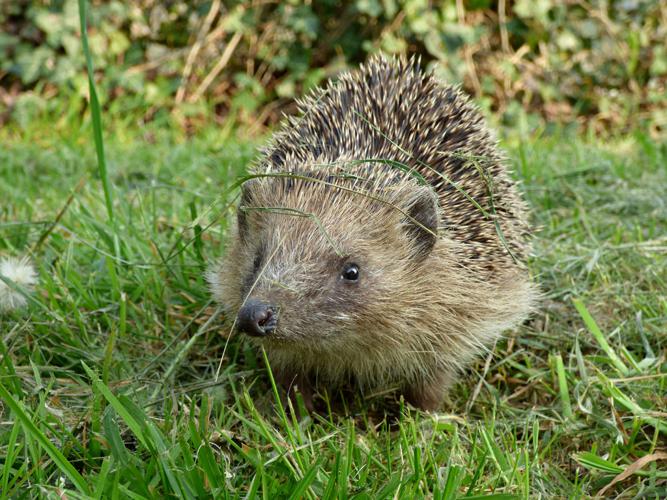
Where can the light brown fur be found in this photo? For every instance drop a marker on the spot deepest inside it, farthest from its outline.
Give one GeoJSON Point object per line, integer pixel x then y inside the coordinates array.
{"type": "Point", "coordinates": [424, 306]}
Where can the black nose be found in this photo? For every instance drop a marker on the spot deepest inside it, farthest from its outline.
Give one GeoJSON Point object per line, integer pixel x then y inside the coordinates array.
{"type": "Point", "coordinates": [257, 318]}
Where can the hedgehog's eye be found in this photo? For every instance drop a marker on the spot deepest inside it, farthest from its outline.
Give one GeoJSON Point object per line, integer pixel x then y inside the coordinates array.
{"type": "Point", "coordinates": [257, 261]}
{"type": "Point", "coordinates": [350, 272]}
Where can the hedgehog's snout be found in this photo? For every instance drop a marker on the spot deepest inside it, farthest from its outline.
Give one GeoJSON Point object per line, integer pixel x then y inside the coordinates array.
{"type": "Point", "coordinates": [257, 318]}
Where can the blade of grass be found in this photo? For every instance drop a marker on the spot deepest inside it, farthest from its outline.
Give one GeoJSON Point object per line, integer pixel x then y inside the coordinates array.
{"type": "Point", "coordinates": [633, 469]}
{"type": "Point", "coordinates": [147, 434]}
{"type": "Point", "coordinates": [102, 478]}
{"type": "Point", "coordinates": [562, 387]}
{"type": "Point", "coordinates": [178, 358]}
{"type": "Point", "coordinates": [630, 405]}
{"type": "Point", "coordinates": [495, 452]}
{"type": "Point", "coordinates": [592, 461]}
{"type": "Point", "coordinates": [301, 487]}
{"type": "Point", "coordinates": [10, 456]}
{"type": "Point", "coordinates": [599, 337]}
{"type": "Point", "coordinates": [96, 114]}
{"type": "Point", "coordinates": [495, 496]}
{"type": "Point", "coordinates": [452, 482]}
{"type": "Point", "coordinates": [9, 375]}
{"type": "Point", "coordinates": [440, 174]}
{"type": "Point", "coordinates": [55, 454]}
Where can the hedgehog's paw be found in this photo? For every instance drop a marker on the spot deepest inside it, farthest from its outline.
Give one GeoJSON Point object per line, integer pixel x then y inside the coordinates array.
{"type": "Point", "coordinates": [427, 395]}
{"type": "Point", "coordinates": [294, 383]}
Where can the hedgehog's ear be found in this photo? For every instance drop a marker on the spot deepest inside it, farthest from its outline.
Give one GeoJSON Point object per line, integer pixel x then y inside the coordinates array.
{"type": "Point", "coordinates": [421, 221]}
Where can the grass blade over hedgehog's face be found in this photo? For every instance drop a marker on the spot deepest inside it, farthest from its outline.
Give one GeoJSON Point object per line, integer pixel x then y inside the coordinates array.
{"type": "Point", "coordinates": [315, 253]}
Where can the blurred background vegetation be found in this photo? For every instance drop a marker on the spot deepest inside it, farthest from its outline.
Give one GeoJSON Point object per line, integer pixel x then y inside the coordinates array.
{"type": "Point", "coordinates": [599, 65]}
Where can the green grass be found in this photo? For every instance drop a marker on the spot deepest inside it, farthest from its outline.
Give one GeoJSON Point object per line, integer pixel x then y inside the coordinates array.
{"type": "Point", "coordinates": [118, 381]}
{"type": "Point", "coordinates": [113, 381]}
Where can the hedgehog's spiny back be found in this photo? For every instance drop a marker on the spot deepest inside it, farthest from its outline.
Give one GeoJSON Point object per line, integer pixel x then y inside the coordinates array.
{"type": "Point", "coordinates": [390, 110]}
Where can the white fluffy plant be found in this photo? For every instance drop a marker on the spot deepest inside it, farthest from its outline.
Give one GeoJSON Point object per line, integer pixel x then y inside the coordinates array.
{"type": "Point", "coordinates": [21, 274]}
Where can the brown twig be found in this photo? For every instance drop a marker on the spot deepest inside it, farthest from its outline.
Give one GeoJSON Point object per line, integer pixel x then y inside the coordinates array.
{"type": "Point", "coordinates": [502, 24]}
{"type": "Point", "coordinates": [220, 65]}
{"type": "Point", "coordinates": [196, 47]}
{"type": "Point", "coordinates": [468, 51]}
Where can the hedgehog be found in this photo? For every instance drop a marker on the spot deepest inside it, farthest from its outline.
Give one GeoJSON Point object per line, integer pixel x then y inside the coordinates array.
{"type": "Point", "coordinates": [380, 242]}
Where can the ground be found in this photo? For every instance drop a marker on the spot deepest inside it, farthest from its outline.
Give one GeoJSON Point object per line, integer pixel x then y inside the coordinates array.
{"type": "Point", "coordinates": [118, 381]}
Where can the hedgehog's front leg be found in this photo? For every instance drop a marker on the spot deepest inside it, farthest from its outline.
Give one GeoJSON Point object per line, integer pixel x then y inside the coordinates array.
{"type": "Point", "coordinates": [294, 383]}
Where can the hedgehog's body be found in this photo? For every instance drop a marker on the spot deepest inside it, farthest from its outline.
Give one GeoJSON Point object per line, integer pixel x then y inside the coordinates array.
{"type": "Point", "coordinates": [382, 239]}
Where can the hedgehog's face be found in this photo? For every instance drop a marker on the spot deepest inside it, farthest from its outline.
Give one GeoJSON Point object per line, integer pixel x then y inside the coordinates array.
{"type": "Point", "coordinates": [317, 263]}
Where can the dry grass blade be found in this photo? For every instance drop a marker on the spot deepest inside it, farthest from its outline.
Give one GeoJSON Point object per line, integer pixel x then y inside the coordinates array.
{"type": "Point", "coordinates": [444, 177]}
{"type": "Point", "coordinates": [632, 468]}
{"type": "Point", "coordinates": [300, 213]}
{"type": "Point", "coordinates": [337, 186]}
